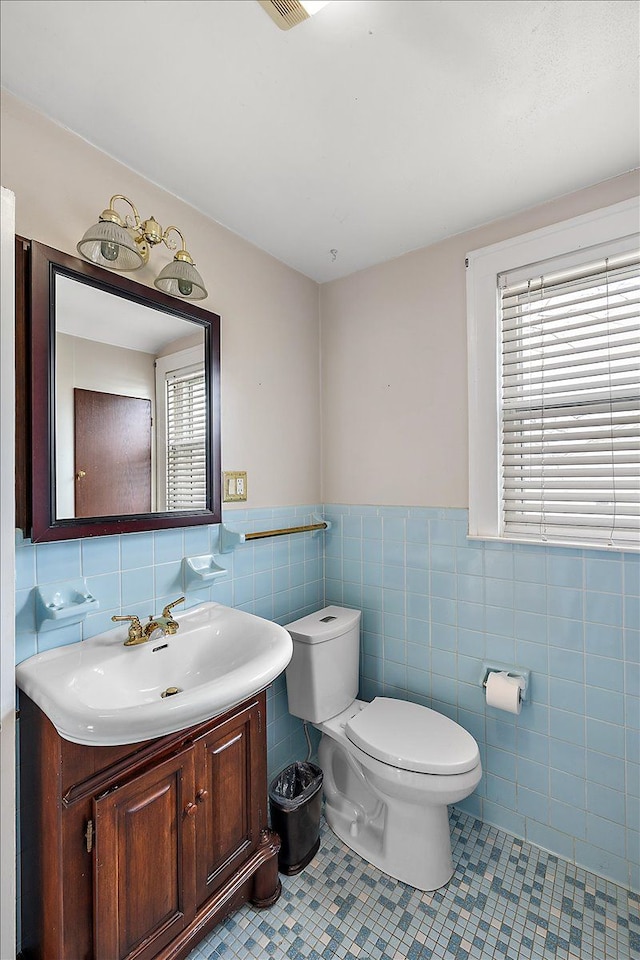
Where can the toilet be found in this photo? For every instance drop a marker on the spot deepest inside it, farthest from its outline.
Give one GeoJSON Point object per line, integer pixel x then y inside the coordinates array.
{"type": "Point", "coordinates": [390, 767]}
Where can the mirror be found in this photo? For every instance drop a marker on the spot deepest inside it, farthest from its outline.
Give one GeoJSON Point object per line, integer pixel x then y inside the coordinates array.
{"type": "Point", "coordinates": [125, 404]}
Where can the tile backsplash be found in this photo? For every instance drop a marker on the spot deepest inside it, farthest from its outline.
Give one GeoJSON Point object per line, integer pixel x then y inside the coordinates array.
{"type": "Point", "coordinates": [564, 774]}
{"type": "Point", "coordinates": [280, 579]}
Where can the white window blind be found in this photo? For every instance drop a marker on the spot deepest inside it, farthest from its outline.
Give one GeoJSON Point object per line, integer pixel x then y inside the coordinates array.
{"type": "Point", "coordinates": [570, 403]}
{"type": "Point", "coordinates": [186, 437]}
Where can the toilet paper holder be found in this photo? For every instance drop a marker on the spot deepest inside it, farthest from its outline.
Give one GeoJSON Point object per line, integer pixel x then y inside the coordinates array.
{"type": "Point", "coordinates": [523, 673]}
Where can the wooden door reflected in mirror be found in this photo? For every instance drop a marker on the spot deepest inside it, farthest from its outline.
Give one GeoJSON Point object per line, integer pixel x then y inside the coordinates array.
{"type": "Point", "coordinates": [112, 450]}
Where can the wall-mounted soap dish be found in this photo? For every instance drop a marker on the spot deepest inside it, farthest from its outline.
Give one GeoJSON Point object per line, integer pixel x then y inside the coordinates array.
{"type": "Point", "coordinates": [229, 539]}
{"type": "Point", "coordinates": [62, 604]}
{"type": "Point", "coordinates": [199, 572]}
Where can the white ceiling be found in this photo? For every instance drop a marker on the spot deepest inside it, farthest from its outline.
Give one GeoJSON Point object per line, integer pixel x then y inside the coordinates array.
{"type": "Point", "coordinates": [115, 320]}
{"type": "Point", "coordinates": [374, 128]}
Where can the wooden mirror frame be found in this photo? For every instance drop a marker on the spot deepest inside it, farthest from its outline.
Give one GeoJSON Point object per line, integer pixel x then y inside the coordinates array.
{"type": "Point", "coordinates": [36, 269]}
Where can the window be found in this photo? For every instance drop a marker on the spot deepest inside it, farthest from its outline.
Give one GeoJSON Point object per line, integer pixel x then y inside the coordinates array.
{"type": "Point", "coordinates": [555, 419]}
{"type": "Point", "coordinates": [570, 403]}
{"type": "Point", "coordinates": [181, 431]}
{"type": "Point", "coordinates": [186, 435]}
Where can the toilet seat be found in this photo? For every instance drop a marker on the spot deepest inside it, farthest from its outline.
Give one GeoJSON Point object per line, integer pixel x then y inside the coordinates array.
{"type": "Point", "coordinates": [412, 737]}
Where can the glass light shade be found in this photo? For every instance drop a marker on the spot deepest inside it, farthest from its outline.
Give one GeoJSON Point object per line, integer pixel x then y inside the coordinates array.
{"type": "Point", "coordinates": [110, 245]}
{"type": "Point", "coordinates": [181, 279]}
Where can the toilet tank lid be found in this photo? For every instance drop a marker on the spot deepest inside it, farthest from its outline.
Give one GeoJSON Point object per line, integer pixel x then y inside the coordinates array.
{"type": "Point", "coordinates": [323, 625]}
{"type": "Point", "coordinates": [412, 737]}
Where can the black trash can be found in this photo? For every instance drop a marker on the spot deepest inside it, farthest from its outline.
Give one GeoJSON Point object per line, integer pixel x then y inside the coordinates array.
{"type": "Point", "coordinates": [295, 800]}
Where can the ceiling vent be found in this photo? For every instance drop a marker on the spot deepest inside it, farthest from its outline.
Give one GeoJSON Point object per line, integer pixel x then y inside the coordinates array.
{"type": "Point", "coordinates": [289, 13]}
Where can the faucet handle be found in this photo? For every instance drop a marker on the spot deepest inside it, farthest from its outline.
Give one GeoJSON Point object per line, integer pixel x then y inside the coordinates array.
{"type": "Point", "coordinates": [170, 606]}
{"type": "Point", "coordinates": [135, 628]}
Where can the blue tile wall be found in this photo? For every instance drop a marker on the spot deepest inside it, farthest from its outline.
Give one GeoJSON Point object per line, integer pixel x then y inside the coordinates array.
{"type": "Point", "coordinates": [565, 773]}
{"type": "Point", "coordinates": [280, 579]}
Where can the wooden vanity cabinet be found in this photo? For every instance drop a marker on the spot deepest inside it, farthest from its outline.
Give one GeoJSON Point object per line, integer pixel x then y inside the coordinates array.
{"type": "Point", "coordinates": [134, 853]}
{"type": "Point", "coordinates": [224, 788]}
{"type": "Point", "coordinates": [143, 865]}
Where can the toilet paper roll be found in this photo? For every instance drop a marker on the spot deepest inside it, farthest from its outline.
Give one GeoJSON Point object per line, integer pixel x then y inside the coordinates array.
{"type": "Point", "coordinates": [503, 692]}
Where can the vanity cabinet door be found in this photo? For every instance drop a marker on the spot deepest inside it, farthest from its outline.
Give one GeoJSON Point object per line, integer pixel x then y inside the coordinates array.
{"type": "Point", "coordinates": [230, 788]}
{"type": "Point", "coordinates": [143, 869]}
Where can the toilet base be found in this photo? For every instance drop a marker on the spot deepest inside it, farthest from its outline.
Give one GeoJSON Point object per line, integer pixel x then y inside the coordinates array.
{"type": "Point", "coordinates": [397, 831]}
{"type": "Point", "coordinates": [415, 847]}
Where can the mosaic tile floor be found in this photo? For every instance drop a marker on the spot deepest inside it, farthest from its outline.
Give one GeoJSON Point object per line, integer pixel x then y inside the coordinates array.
{"type": "Point", "coordinates": [507, 899]}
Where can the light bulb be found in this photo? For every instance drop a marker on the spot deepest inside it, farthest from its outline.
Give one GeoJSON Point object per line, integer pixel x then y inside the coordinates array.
{"type": "Point", "coordinates": [185, 287]}
{"type": "Point", "coordinates": [109, 250]}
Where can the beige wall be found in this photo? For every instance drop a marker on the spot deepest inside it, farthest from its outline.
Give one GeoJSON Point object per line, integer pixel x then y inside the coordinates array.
{"type": "Point", "coordinates": [393, 337]}
{"type": "Point", "coordinates": [394, 365]}
{"type": "Point", "coordinates": [270, 348]}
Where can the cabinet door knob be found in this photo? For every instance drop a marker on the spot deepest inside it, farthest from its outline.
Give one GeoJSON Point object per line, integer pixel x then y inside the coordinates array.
{"type": "Point", "coordinates": [190, 810]}
{"type": "Point", "coordinates": [202, 795]}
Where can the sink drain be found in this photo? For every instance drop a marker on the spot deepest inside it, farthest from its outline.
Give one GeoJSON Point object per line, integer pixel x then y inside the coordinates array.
{"type": "Point", "coordinates": [170, 692]}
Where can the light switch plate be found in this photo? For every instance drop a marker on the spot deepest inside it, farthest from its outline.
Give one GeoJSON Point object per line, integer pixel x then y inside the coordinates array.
{"type": "Point", "coordinates": [234, 486]}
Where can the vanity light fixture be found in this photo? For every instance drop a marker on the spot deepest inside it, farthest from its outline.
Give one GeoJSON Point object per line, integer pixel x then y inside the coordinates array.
{"type": "Point", "coordinates": [120, 244]}
{"type": "Point", "coordinates": [289, 13]}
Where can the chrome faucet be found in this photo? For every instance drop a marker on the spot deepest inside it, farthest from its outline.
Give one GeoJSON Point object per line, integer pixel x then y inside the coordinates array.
{"type": "Point", "coordinates": [139, 634]}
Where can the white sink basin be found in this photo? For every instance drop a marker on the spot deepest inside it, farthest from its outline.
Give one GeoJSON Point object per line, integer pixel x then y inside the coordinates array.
{"type": "Point", "coordinates": [102, 693]}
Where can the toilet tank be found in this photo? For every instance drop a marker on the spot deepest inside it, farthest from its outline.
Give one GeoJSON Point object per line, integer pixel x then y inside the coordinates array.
{"type": "Point", "coordinates": [323, 674]}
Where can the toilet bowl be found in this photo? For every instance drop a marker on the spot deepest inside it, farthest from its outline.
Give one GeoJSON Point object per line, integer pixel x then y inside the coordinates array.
{"type": "Point", "coordinates": [390, 767]}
